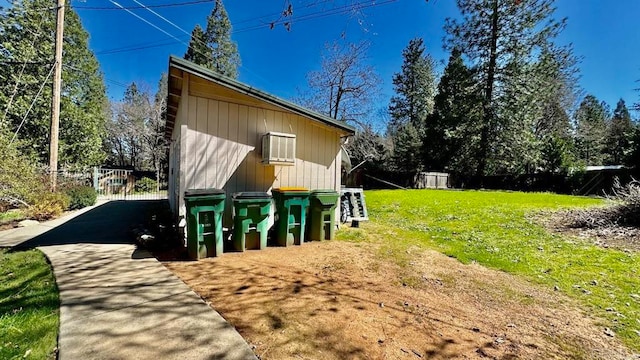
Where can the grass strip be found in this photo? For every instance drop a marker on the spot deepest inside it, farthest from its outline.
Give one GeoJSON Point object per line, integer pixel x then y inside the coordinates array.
{"type": "Point", "coordinates": [29, 303]}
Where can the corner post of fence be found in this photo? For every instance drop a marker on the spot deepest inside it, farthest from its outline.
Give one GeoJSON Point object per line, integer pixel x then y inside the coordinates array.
{"type": "Point", "coordinates": [95, 178]}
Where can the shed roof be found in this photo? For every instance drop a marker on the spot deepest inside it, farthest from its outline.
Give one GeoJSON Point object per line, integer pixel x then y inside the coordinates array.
{"type": "Point", "coordinates": [177, 68]}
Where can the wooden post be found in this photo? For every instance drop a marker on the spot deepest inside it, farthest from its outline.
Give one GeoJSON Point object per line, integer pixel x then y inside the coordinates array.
{"type": "Point", "coordinates": [55, 101]}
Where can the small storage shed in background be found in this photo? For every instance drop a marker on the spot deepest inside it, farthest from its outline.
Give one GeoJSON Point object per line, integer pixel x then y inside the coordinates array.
{"type": "Point", "coordinates": [227, 135]}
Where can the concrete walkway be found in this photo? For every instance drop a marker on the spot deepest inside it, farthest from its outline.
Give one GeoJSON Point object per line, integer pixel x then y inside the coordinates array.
{"type": "Point", "coordinates": [120, 303]}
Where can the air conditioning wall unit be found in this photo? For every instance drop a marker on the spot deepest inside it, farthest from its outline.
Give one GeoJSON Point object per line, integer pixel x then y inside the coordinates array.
{"type": "Point", "coordinates": [278, 149]}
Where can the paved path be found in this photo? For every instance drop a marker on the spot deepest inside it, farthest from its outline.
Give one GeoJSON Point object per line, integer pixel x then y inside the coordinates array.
{"type": "Point", "coordinates": [120, 303]}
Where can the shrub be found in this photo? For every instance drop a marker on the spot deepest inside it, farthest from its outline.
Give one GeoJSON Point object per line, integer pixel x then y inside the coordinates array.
{"type": "Point", "coordinates": [20, 179]}
{"type": "Point", "coordinates": [81, 196]}
{"type": "Point", "coordinates": [146, 185]}
{"type": "Point", "coordinates": [48, 205]}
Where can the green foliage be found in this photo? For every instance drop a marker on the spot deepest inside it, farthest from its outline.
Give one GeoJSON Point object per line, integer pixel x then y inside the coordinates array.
{"type": "Point", "coordinates": [633, 158]}
{"type": "Point", "coordinates": [29, 305]}
{"type": "Point", "coordinates": [496, 229]}
{"type": "Point", "coordinates": [145, 185]}
{"type": "Point", "coordinates": [414, 86]}
{"type": "Point", "coordinates": [451, 138]}
{"type": "Point", "coordinates": [27, 36]}
{"type": "Point", "coordinates": [20, 180]}
{"type": "Point", "coordinates": [12, 215]}
{"type": "Point", "coordinates": [591, 120]}
{"type": "Point", "coordinates": [504, 41]}
{"type": "Point", "coordinates": [198, 51]}
{"type": "Point", "coordinates": [618, 135]}
{"type": "Point", "coordinates": [48, 206]}
{"type": "Point", "coordinates": [81, 196]}
{"type": "Point", "coordinates": [214, 48]}
{"type": "Point", "coordinates": [407, 143]}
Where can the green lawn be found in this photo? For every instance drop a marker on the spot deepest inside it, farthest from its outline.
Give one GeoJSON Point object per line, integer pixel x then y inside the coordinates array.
{"type": "Point", "coordinates": [491, 228]}
{"type": "Point", "coordinates": [28, 306]}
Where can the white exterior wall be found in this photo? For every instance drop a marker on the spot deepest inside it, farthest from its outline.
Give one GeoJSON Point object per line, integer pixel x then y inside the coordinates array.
{"type": "Point", "coordinates": [220, 147]}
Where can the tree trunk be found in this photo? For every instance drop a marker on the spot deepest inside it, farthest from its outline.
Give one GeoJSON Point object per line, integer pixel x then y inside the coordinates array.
{"type": "Point", "coordinates": [487, 117]}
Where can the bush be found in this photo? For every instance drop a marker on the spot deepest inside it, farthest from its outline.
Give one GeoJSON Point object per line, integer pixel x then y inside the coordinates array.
{"type": "Point", "coordinates": [146, 185]}
{"type": "Point", "coordinates": [49, 205]}
{"type": "Point", "coordinates": [81, 196]}
{"type": "Point", "coordinates": [20, 179]}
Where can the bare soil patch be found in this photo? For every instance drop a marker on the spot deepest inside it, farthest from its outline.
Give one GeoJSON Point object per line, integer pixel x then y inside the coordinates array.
{"type": "Point", "coordinates": [339, 300]}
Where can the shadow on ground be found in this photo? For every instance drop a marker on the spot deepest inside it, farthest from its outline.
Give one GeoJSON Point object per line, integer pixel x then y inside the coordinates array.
{"type": "Point", "coordinates": [117, 302]}
{"type": "Point", "coordinates": [110, 223]}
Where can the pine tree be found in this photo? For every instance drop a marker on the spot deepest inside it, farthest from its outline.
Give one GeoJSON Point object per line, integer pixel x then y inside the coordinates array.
{"type": "Point", "coordinates": [591, 123]}
{"type": "Point", "coordinates": [214, 48]}
{"type": "Point", "coordinates": [534, 103]}
{"type": "Point", "coordinates": [619, 134]}
{"type": "Point", "coordinates": [452, 128]}
{"type": "Point", "coordinates": [198, 51]}
{"type": "Point", "coordinates": [26, 44]}
{"type": "Point", "coordinates": [500, 37]}
{"type": "Point", "coordinates": [414, 86]}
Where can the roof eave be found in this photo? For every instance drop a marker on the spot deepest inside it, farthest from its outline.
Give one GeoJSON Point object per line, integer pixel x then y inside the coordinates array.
{"type": "Point", "coordinates": [189, 67]}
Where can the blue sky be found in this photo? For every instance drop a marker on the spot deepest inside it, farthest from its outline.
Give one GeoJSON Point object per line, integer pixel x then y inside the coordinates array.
{"type": "Point", "coordinates": [604, 34]}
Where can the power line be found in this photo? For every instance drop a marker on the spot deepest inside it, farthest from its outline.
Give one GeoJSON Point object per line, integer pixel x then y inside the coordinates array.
{"type": "Point", "coordinates": [319, 14]}
{"type": "Point", "coordinates": [313, 4]}
{"type": "Point", "coordinates": [24, 65]}
{"type": "Point", "coordinates": [148, 22]}
{"type": "Point", "coordinates": [161, 17]}
{"type": "Point", "coordinates": [114, 82]}
{"type": "Point", "coordinates": [139, 46]}
{"type": "Point", "coordinates": [166, 20]}
{"type": "Point", "coordinates": [302, 18]}
{"type": "Point", "coordinates": [32, 103]}
{"type": "Point", "coordinates": [141, 7]}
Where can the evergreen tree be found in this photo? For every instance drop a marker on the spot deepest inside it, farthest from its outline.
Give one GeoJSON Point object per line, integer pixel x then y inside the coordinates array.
{"type": "Point", "coordinates": [214, 48]}
{"type": "Point", "coordinates": [591, 123]}
{"type": "Point", "coordinates": [27, 47]}
{"type": "Point", "coordinates": [414, 86]}
{"type": "Point", "coordinates": [198, 51]}
{"type": "Point", "coordinates": [501, 38]}
{"type": "Point", "coordinates": [619, 134]}
{"type": "Point", "coordinates": [534, 105]}
{"type": "Point", "coordinates": [452, 128]}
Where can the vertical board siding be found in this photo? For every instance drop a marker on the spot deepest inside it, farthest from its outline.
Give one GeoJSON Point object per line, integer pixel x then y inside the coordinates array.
{"type": "Point", "coordinates": [212, 144]}
{"type": "Point", "coordinates": [232, 181]}
{"type": "Point", "coordinates": [200, 143]}
{"type": "Point", "coordinates": [224, 146]}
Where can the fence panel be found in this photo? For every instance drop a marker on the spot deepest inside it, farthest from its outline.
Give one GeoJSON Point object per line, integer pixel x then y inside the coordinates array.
{"type": "Point", "coordinates": [122, 184]}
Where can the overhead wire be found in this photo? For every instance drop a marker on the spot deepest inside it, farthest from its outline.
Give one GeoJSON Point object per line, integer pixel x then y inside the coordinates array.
{"type": "Point", "coordinates": [36, 35]}
{"type": "Point", "coordinates": [148, 22]}
{"type": "Point", "coordinates": [319, 14]}
{"type": "Point", "coordinates": [148, 6]}
{"type": "Point", "coordinates": [162, 17]}
{"type": "Point", "coordinates": [15, 134]}
{"type": "Point", "coordinates": [135, 47]}
{"type": "Point", "coordinates": [168, 21]}
{"type": "Point", "coordinates": [306, 17]}
{"type": "Point", "coordinates": [114, 82]}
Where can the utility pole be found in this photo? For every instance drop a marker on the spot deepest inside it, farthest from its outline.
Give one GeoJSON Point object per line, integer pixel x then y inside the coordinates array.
{"type": "Point", "coordinates": [55, 101]}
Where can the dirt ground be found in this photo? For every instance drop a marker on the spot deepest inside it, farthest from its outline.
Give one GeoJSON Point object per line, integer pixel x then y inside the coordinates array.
{"type": "Point", "coordinates": [339, 300]}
